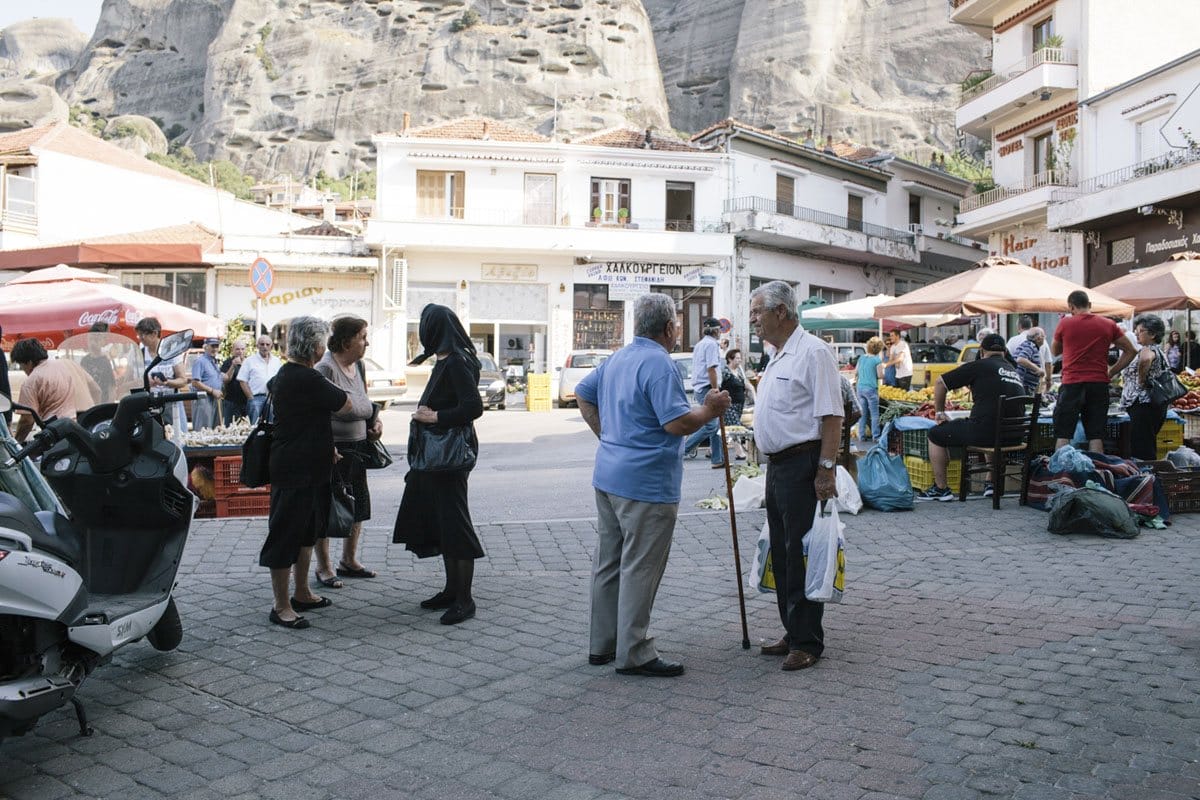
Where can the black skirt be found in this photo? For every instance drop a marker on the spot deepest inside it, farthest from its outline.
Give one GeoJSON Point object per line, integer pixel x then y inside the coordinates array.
{"type": "Point", "coordinates": [434, 518]}
{"type": "Point", "coordinates": [350, 471]}
{"type": "Point", "coordinates": [297, 519]}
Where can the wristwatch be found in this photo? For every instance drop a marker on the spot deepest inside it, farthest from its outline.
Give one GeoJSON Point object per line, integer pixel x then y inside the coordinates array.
{"type": "Point", "coordinates": [827, 463]}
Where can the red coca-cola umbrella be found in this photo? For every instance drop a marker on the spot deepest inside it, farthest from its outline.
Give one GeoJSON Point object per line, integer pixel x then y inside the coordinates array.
{"type": "Point", "coordinates": [51, 304]}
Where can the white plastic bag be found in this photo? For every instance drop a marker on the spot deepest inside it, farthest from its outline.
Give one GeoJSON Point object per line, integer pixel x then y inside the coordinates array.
{"type": "Point", "coordinates": [761, 576]}
{"type": "Point", "coordinates": [848, 499]}
{"type": "Point", "coordinates": [825, 559]}
{"type": "Point", "coordinates": [749, 492]}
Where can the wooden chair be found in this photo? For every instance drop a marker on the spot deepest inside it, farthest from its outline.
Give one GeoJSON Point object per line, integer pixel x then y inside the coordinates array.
{"type": "Point", "coordinates": [1014, 423]}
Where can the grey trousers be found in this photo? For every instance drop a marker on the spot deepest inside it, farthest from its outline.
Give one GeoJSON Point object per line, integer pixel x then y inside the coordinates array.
{"type": "Point", "coordinates": [631, 554]}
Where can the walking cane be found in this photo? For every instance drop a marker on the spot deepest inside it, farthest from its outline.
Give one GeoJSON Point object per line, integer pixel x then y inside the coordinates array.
{"type": "Point", "coordinates": [737, 558]}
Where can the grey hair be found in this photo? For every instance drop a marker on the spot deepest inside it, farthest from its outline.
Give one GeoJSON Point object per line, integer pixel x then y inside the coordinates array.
{"type": "Point", "coordinates": [305, 335]}
{"type": "Point", "coordinates": [651, 313]}
{"type": "Point", "coordinates": [1153, 325]}
{"type": "Point", "coordinates": [776, 294]}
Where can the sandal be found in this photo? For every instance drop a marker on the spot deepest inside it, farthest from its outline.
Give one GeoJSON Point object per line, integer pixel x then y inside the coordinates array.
{"type": "Point", "coordinates": [344, 571]}
{"type": "Point", "coordinates": [329, 583]}
{"type": "Point", "coordinates": [309, 605]}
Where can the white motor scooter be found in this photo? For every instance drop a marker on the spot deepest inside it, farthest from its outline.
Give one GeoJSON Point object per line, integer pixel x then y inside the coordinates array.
{"type": "Point", "coordinates": [89, 547]}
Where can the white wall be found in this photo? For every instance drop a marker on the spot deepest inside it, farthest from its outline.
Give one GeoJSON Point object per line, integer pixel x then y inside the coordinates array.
{"type": "Point", "coordinates": [755, 177]}
{"type": "Point", "coordinates": [1124, 40]}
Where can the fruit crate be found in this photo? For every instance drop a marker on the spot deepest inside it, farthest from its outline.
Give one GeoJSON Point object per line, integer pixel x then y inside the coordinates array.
{"type": "Point", "coordinates": [1181, 484]}
{"type": "Point", "coordinates": [915, 443]}
{"type": "Point", "coordinates": [227, 472]}
{"type": "Point", "coordinates": [920, 473]}
{"type": "Point", "coordinates": [245, 503]}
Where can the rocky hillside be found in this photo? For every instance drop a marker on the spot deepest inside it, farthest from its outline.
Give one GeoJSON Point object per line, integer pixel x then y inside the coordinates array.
{"type": "Point", "coordinates": [298, 86]}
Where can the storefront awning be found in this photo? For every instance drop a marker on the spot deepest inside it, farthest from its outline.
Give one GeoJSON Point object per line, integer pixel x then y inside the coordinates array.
{"type": "Point", "coordinates": [178, 244]}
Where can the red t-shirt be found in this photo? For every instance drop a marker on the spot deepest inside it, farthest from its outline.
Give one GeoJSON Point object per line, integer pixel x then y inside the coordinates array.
{"type": "Point", "coordinates": [1085, 339]}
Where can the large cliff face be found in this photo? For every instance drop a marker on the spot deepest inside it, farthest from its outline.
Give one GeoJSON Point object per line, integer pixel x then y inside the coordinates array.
{"type": "Point", "coordinates": [297, 86]}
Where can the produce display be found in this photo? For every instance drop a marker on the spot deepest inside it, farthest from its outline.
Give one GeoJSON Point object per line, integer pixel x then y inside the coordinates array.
{"type": "Point", "coordinates": [1191, 400]}
{"type": "Point", "coordinates": [232, 436]}
{"type": "Point", "coordinates": [914, 396]}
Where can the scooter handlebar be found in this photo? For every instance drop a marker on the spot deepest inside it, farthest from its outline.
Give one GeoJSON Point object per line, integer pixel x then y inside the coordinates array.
{"type": "Point", "coordinates": [40, 444]}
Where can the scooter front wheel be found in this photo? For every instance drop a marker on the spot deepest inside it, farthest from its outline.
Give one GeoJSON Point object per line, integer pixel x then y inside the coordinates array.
{"type": "Point", "coordinates": [167, 633]}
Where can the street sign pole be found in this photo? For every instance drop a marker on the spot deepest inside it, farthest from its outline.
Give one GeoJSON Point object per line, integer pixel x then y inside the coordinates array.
{"type": "Point", "coordinates": [262, 281]}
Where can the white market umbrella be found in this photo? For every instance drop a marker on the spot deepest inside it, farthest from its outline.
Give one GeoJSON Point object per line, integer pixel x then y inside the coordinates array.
{"type": "Point", "coordinates": [862, 310]}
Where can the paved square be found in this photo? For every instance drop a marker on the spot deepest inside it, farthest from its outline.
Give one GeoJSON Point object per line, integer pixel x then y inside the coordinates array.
{"type": "Point", "coordinates": [976, 656]}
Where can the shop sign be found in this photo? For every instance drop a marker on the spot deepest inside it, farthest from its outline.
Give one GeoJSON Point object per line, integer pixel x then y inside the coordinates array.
{"type": "Point", "coordinates": [509, 272]}
{"type": "Point", "coordinates": [1165, 246]}
{"type": "Point", "coordinates": [1040, 249]}
{"type": "Point", "coordinates": [618, 272]}
{"type": "Point", "coordinates": [627, 291]}
{"type": "Point", "coordinates": [293, 295]}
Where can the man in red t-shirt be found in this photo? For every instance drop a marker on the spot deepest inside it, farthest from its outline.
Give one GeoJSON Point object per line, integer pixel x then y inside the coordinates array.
{"type": "Point", "coordinates": [1082, 340]}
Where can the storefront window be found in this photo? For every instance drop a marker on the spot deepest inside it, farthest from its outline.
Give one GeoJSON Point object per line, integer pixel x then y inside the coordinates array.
{"type": "Point", "coordinates": [187, 289]}
{"type": "Point", "coordinates": [599, 322]}
{"type": "Point", "coordinates": [695, 304]}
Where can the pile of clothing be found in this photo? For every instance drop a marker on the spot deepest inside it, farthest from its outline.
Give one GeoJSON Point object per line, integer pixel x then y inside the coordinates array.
{"type": "Point", "coordinates": [1133, 482]}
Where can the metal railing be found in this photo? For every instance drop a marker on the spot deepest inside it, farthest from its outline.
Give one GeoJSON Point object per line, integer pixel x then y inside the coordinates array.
{"type": "Point", "coordinates": [1046, 55]}
{"type": "Point", "coordinates": [771, 206]}
{"type": "Point", "coordinates": [1041, 180]}
{"type": "Point", "coordinates": [1142, 169]}
{"type": "Point", "coordinates": [539, 217]}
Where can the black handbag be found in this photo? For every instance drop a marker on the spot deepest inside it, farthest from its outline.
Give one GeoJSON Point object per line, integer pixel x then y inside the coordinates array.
{"type": "Point", "coordinates": [341, 512]}
{"type": "Point", "coordinates": [256, 451]}
{"type": "Point", "coordinates": [1163, 386]}
{"type": "Point", "coordinates": [436, 449]}
{"type": "Point", "coordinates": [375, 455]}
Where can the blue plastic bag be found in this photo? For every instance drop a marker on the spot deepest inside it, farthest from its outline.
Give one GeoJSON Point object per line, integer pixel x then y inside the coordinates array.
{"type": "Point", "coordinates": [883, 481]}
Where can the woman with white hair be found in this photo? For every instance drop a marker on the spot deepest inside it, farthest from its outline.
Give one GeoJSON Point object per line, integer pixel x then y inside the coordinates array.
{"type": "Point", "coordinates": [302, 456]}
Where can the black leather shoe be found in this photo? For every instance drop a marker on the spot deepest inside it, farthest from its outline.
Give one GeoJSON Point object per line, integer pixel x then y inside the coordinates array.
{"type": "Point", "coordinates": [442, 599]}
{"type": "Point", "coordinates": [601, 660]}
{"type": "Point", "coordinates": [654, 669]}
{"type": "Point", "coordinates": [458, 613]}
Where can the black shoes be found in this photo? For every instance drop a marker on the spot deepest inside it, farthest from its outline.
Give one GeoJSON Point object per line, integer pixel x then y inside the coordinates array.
{"type": "Point", "coordinates": [307, 605]}
{"type": "Point", "coordinates": [458, 613]}
{"type": "Point", "coordinates": [442, 599]}
{"type": "Point", "coordinates": [654, 669]}
{"type": "Point", "coordinates": [298, 623]}
{"type": "Point", "coordinates": [601, 659]}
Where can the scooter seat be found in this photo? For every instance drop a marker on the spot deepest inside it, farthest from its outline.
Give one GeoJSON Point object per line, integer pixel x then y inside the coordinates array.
{"type": "Point", "coordinates": [59, 540]}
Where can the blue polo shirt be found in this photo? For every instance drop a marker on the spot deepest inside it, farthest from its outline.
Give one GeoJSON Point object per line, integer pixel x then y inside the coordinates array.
{"type": "Point", "coordinates": [637, 390]}
{"type": "Point", "coordinates": [205, 370]}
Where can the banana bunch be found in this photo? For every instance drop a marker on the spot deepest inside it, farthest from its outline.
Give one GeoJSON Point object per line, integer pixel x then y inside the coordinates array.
{"type": "Point", "coordinates": [918, 396]}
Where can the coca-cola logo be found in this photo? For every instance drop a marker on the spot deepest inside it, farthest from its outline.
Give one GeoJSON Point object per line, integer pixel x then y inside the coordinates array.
{"type": "Point", "coordinates": [108, 316]}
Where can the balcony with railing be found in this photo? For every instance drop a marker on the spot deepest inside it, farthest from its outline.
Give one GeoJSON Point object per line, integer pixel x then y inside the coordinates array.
{"type": "Point", "coordinates": [1013, 204]}
{"type": "Point", "coordinates": [765, 220]}
{"type": "Point", "coordinates": [1121, 190]}
{"type": "Point", "coordinates": [19, 211]}
{"type": "Point", "coordinates": [1046, 76]}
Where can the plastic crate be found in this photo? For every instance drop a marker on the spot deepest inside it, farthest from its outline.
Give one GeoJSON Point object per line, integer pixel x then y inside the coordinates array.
{"type": "Point", "coordinates": [920, 473]}
{"type": "Point", "coordinates": [536, 404]}
{"type": "Point", "coordinates": [227, 472]}
{"type": "Point", "coordinates": [1191, 425]}
{"type": "Point", "coordinates": [915, 443]}
{"type": "Point", "coordinates": [246, 503]}
{"type": "Point", "coordinates": [1181, 485]}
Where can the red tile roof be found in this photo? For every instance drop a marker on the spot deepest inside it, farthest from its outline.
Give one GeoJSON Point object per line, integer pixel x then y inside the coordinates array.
{"type": "Point", "coordinates": [635, 139]}
{"type": "Point", "coordinates": [475, 128]}
{"type": "Point", "coordinates": [187, 233]}
{"type": "Point", "coordinates": [326, 228]}
{"type": "Point", "coordinates": [61, 137]}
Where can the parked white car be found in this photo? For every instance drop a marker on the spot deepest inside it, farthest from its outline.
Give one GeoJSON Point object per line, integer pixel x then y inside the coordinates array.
{"type": "Point", "coordinates": [578, 364]}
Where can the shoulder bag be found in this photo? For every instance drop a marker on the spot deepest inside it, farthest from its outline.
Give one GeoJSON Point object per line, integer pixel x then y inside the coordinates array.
{"type": "Point", "coordinates": [435, 449]}
{"type": "Point", "coordinates": [374, 453]}
{"type": "Point", "coordinates": [256, 451]}
{"type": "Point", "coordinates": [1163, 386]}
{"type": "Point", "coordinates": [341, 511]}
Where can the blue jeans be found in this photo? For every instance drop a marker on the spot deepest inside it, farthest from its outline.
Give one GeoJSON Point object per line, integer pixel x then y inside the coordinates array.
{"type": "Point", "coordinates": [711, 431]}
{"type": "Point", "coordinates": [254, 407]}
{"type": "Point", "coordinates": [868, 401]}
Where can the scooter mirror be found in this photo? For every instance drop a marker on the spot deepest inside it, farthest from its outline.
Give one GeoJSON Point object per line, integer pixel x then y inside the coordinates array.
{"type": "Point", "coordinates": [175, 345]}
{"type": "Point", "coordinates": [5, 403]}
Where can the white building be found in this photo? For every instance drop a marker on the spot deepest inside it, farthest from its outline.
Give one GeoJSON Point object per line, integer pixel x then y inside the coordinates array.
{"type": "Point", "coordinates": [538, 244]}
{"type": "Point", "coordinates": [835, 228]}
{"type": "Point", "coordinates": [1138, 199]}
{"type": "Point", "coordinates": [1046, 56]}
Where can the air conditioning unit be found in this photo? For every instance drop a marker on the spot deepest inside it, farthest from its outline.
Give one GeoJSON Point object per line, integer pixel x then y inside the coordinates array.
{"type": "Point", "coordinates": [395, 284]}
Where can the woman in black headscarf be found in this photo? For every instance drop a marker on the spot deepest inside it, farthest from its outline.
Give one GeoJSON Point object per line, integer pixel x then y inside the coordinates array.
{"type": "Point", "coordinates": [434, 517]}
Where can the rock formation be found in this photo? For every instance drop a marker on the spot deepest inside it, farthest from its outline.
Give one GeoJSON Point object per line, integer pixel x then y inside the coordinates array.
{"type": "Point", "coordinates": [140, 135]}
{"type": "Point", "coordinates": [300, 86]}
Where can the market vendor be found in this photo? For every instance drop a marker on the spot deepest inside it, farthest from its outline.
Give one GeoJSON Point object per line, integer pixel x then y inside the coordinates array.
{"type": "Point", "coordinates": [990, 377]}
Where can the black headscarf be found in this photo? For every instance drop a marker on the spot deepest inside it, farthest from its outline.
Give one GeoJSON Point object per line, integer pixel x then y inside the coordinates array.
{"type": "Point", "coordinates": [442, 332]}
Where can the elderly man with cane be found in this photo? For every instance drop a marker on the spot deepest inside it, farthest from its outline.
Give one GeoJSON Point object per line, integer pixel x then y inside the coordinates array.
{"type": "Point", "coordinates": [798, 424]}
{"type": "Point", "coordinates": [636, 405]}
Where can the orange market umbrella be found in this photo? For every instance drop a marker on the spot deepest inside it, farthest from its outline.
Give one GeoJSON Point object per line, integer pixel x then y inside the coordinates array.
{"type": "Point", "coordinates": [1173, 284]}
{"type": "Point", "coordinates": [997, 285]}
{"type": "Point", "coordinates": [52, 311]}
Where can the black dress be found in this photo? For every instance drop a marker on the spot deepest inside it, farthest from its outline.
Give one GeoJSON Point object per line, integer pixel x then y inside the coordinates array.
{"type": "Point", "coordinates": [434, 517]}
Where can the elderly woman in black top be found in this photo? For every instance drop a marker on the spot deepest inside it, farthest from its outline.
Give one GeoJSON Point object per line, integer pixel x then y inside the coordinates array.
{"type": "Point", "coordinates": [434, 517]}
{"type": "Point", "coordinates": [302, 457]}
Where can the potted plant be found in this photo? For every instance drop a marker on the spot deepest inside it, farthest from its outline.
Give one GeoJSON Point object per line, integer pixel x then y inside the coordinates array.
{"type": "Point", "coordinates": [623, 216]}
{"type": "Point", "coordinates": [597, 213]}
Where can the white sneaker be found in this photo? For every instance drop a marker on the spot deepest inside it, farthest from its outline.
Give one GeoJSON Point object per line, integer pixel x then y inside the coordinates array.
{"type": "Point", "coordinates": [934, 493]}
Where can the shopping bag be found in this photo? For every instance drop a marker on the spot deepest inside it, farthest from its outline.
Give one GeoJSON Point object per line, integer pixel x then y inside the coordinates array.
{"type": "Point", "coordinates": [883, 481]}
{"type": "Point", "coordinates": [749, 492]}
{"type": "Point", "coordinates": [761, 576]}
{"type": "Point", "coordinates": [848, 499]}
{"type": "Point", "coordinates": [825, 557]}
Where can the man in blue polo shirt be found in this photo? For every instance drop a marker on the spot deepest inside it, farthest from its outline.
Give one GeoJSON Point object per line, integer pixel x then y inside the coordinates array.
{"type": "Point", "coordinates": [635, 404]}
{"type": "Point", "coordinates": [208, 383]}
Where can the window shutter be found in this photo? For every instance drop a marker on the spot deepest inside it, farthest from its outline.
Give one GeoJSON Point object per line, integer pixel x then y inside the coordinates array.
{"type": "Point", "coordinates": [458, 202]}
{"type": "Point", "coordinates": [595, 197]}
{"type": "Point", "coordinates": [624, 199]}
{"type": "Point", "coordinates": [431, 193]}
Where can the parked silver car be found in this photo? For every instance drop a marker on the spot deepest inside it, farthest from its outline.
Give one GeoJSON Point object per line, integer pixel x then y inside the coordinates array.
{"type": "Point", "coordinates": [578, 364]}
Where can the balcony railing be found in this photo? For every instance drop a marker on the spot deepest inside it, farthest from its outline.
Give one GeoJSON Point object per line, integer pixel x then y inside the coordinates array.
{"type": "Point", "coordinates": [1041, 180]}
{"type": "Point", "coordinates": [1046, 55]}
{"type": "Point", "coordinates": [542, 217]}
{"type": "Point", "coordinates": [770, 206]}
{"type": "Point", "coordinates": [1152, 166]}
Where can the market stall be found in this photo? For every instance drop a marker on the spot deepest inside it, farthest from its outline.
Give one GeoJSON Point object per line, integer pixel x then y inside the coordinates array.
{"type": "Point", "coordinates": [214, 460]}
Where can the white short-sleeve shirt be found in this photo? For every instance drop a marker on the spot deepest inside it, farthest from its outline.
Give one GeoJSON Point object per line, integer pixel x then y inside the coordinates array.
{"type": "Point", "coordinates": [800, 386]}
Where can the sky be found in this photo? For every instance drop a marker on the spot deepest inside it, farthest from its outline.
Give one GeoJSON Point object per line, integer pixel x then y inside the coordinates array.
{"type": "Point", "coordinates": [83, 12]}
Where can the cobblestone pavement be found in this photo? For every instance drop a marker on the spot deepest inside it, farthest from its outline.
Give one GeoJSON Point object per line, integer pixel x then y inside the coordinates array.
{"type": "Point", "coordinates": [975, 656]}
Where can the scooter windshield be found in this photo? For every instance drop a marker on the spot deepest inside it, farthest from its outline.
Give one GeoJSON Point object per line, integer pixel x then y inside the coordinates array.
{"type": "Point", "coordinates": [23, 481]}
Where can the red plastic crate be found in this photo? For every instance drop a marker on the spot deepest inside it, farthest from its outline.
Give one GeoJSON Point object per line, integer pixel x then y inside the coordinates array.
{"type": "Point", "coordinates": [227, 476]}
{"type": "Point", "coordinates": [246, 503]}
